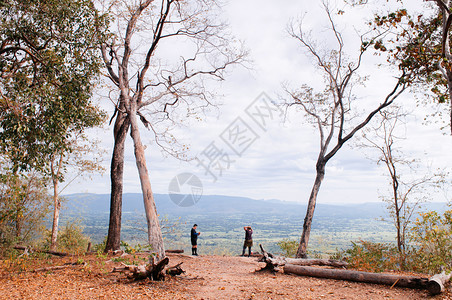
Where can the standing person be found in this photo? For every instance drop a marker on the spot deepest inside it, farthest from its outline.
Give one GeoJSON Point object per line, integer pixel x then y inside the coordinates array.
{"type": "Point", "coordinates": [248, 240]}
{"type": "Point", "coordinates": [194, 240]}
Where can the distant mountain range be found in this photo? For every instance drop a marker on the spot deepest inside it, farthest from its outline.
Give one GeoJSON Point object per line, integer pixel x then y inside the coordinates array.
{"type": "Point", "coordinates": [228, 205]}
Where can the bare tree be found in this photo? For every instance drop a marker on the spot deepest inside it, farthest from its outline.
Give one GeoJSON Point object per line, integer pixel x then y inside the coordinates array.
{"type": "Point", "coordinates": [407, 192]}
{"type": "Point", "coordinates": [332, 111]}
{"type": "Point", "coordinates": [85, 158]}
{"type": "Point", "coordinates": [152, 85]}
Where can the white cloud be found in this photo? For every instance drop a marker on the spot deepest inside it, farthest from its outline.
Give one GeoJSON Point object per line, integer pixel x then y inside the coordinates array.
{"type": "Point", "coordinates": [281, 163]}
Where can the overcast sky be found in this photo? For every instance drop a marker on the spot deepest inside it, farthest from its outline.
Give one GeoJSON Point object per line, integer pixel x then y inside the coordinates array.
{"type": "Point", "coordinates": [276, 160]}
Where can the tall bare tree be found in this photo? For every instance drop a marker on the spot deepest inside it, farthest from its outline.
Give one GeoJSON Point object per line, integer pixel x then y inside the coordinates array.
{"type": "Point", "coordinates": [333, 111]}
{"type": "Point", "coordinates": [152, 85]}
{"type": "Point", "coordinates": [406, 192]}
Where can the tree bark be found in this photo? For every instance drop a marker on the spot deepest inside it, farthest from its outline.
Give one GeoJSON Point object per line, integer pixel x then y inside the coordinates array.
{"type": "Point", "coordinates": [56, 202]}
{"type": "Point", "coordinates": [449, 84]}
{"type": "Point", "coordinates": [316, 262]}
{"type": "Point", "coordinates": [56, 218]}
{"type": "Point", "coordinates": [175, 251]}
{"type": "Point", "coordinates": [154, 231]}
{"type": "Point", "coordinates": [302, 248]}
{"type": "Point", "coordinates": [377, 278]}
{"type": "Point", "coordinates": [448, 56]}
{"type": "Point", "coordinates": [116, 174]}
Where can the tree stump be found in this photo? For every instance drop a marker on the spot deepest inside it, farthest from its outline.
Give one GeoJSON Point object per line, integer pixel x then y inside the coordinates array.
{"type": "Point", "coordinates": [175, 270]}
{"type": "Point", "coordinates": [272, 263]}
{"type": "Point", "coordinates": [153, 271]}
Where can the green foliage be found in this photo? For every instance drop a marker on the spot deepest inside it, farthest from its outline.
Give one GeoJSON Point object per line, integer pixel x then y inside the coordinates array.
{"type": "Point", "coordinates": [72, 240]}
{"type": "Point", "coordinates": [80, 261]}
{"type": "Point", "coordinates": [432, 236]}
{"type": "Point", "coordinates": [338, 255]}
{"type": "Point", "coordinates": [49, 62]}
{"type": "Point", "coordinates": [430, 250]}
{"type": "Point", "coordinates": [101, 254]}
{"type": "Point", "coordinates": [413, 42]}
{"type": "Point", "coordinates": [374, 257]}
{"type": "Point", "coordinates": [24, 203]}
{"type": "Point", "coordinates": [289, 247]}
{"type": "Point", "coordinates": [135, 249]}
{"type": "Point", "coordinates": [100, 248]}
{"type": "Point", "coordinates": [134, 260]}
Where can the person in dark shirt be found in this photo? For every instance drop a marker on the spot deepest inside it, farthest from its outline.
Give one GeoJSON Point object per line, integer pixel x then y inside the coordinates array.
{"type": "Point", "coordinates": [248, 240]}
{"type": "Point", "coordinates": [194, 240]}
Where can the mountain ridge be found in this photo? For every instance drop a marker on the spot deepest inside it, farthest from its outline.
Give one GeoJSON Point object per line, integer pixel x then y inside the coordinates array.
{"type": "Point", "coordinates": [228, 205]}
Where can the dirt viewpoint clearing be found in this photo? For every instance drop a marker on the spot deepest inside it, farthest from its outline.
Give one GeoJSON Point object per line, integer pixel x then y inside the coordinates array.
{"type": "Point", "coordinates": [206, 277]}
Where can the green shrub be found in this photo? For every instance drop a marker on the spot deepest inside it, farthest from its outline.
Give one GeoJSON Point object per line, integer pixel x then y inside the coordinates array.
{"type": "Point", "coordinates": [24, 204]}
{"type": "Point", "coordinates": [100, 248]}
{"type": "Point", "coordinates": [289, 247]}
{"type": "Point", "coordinates": [338, 255]}
{"type": "Point", "coordinates": [135, 249]}
{"type": "Point", "coordinates": [431, 236]}
{"type": "Point", "coordinates": [429, 251]}
{"type": "Point", "coordinates": [71, 239]}
{"type": "Point", "coordinates": [373, 257]}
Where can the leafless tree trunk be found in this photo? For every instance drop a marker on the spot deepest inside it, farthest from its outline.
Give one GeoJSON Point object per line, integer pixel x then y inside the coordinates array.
{"type": "Point", "coordinates": [134, 71]}
{"type": "Point", "coordinates": [330, 110]}
{"type": "Point", "coordinates": [154, 230]}
{"type": "Point", "coordinates": [121, 128]}
{"type": "Point", "coordinates": [56, 202]}
{"type": "Point", "coordinates": [302, 249]}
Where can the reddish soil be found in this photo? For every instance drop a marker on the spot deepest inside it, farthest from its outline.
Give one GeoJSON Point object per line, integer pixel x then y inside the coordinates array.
{"type": "Point", "coordinates": [206, 277]}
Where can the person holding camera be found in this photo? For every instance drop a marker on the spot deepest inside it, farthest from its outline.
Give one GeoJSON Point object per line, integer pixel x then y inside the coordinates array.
{"type": "Point", "coordinates": [248, 240]}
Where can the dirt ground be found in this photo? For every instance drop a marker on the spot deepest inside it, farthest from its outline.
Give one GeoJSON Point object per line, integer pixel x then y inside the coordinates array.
{"type": "Point", "coordinates": [206, 277]}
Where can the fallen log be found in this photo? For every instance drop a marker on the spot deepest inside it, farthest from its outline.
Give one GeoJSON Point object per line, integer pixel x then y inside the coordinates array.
{"type": "Point", "coordinates": [274, 263]}
{"type": "Point", "coordinates": [52, 268]}
{"type": "Point", "coordinates": [436, 283]}
{"type": "Point", "coordinates": [29, 249]}
{"type": "Point", "coordinates": [316, 262]}
{"type": "Point", "coordinates": [358, 276]}
{"type": "Point", "coordinates": [174, 251]}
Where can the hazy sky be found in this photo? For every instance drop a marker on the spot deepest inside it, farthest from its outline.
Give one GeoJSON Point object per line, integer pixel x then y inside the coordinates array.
{"type": "Point", "coordinates": [276, 159]}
